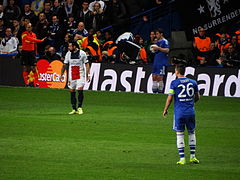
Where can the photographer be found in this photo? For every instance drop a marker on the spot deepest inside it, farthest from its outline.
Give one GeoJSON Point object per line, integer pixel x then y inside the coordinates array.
{"type": "Point", "coordinates": [230, 58]}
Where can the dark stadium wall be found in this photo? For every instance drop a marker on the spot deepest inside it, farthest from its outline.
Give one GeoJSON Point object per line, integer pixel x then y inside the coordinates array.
{"type": "Point", "coordinates": [10, 71]}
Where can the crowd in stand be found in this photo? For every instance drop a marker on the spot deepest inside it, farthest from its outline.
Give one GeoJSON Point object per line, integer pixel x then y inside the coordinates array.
{"type": "Point", "coordinates": [221, 49]}
{"type": "Point", "coordinates": [62, 21]}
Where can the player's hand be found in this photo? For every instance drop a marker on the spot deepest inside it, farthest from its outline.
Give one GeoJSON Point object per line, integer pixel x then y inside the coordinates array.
{"type": "Point", "coordinates": [155, 47]}
{"type": "Point", "coordinates": [62, 78]}
{"type": "Point", "coordinates": [44, 38]}
{"type": "Point", "coordinates": [88, 78]}
{"type": "Point", "coordinates": [165, 112]}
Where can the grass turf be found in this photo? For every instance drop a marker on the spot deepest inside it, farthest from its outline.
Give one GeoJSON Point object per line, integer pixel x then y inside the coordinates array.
{"type": "Point", "coordinates": [119, 136]}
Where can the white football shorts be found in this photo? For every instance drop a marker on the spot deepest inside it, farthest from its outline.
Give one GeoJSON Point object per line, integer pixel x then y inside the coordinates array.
{"type": "Point", "coordinates": [76, 84]}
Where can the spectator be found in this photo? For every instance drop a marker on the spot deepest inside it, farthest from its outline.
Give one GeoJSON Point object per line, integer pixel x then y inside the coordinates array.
{"type": "Point", "coordinates": [80, 32]}
{"type": "Point", "coordinates": [2, 14]}
{"type": "Point", "coordinates": [110, 53]}
{"type": "Point", "coordinates": [219, 34]}
{"type": "Point", "coordinates": [223, 42]}
{"type": "Point", "coordinates": [102, 5]}
{"type": "Point", "coordinates": [56, 33]}
{"type": "Point", "coordinates": [12, 11]}
{"type": "Point", "coordinates": [229, 58]}
{"type": "Point", "coordinates": [234, 43]}
{"type": "Point", "coordinates": [212, 55]}
{"type": "Point", "coordinates": [201, 45]}
{"type": "Point", "coordinates": [92, 47]}
{"type": "Point", "coordinates": [85, 15]}
{"type": "Point", "coordinates": [29, 14]}
{"type": "Point", "coordinates": [2, 29]}
{"type": "Point", "coordinates": [47, 10]}
{"type": "Point", "coordinates": [100, 37]}
{"type": "Point", "coordinates": [70, 24]}
{"type": "Point", "coordinates": [152, 40]}
{"type": "Point", "coordinates": [97, 13]}
{"type": "Point", "coordinates": [25, 21]}
{"type": "Point", "coordinates": [232, 56]}
{"type": "Point", "coordinates": [56, 8]}
{"type": "Point", "coordinates": [64, 47]}
{"type": "Point", "coordinates": [37, 6]}
{"type": "Point", "coordinates": [85, 41]}
{"type": "Point", "coordinates": [17, 29]}
{"type": "Point", "coordinates": [41, 30]}
{"type": "Point", "coordinates": [142, 57]}
{"type": "Point", "coordinates": [9, 44]}
{"type": "Point", "coordinates": [51, 55]}
{"type": "Point", "coordinates": [237, 33]}
{"type": "Point", "coordinates": [69, 8]}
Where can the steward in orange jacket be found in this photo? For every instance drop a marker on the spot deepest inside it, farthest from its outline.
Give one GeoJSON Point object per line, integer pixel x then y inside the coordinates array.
{"type": "Point", "coordinates": [238, 36]}
{"type": "Point", "coordinates": [110, 52]}
{"type": "Point", "coordinates": [201, 44]}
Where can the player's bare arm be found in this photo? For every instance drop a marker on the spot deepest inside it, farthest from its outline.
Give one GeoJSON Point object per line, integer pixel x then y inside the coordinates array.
{"type": "Point", "coordinates": [64, 67]}
{"type": "Point", "coordinates": [155, 47]}
{"type": "Point", "coordinates": [196, 97]}
{"type": "Point", "coordinates": [168, 103]}
{"type": "Point", "coordinates": [87, 72]}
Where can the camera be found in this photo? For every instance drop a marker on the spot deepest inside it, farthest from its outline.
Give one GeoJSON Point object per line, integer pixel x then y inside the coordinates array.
{"type": "Point", "coordinates": [175, 60]}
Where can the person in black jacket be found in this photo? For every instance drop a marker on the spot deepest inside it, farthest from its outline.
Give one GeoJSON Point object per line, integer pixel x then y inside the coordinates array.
{"type": "Point", "coordinates": [56, 33]}
{"type": "Point", "coordinates": [85, 15]}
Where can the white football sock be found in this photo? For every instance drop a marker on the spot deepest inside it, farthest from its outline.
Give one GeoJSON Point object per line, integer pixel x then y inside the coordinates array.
{"type": "Point", "coordinates": [180, 145]}
{"type": "Point", "coordinates": [192, 143]}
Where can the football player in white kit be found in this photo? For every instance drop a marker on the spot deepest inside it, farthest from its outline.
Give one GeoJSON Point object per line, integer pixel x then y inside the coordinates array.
{"type": "Point", "coordinates": [78, 71]}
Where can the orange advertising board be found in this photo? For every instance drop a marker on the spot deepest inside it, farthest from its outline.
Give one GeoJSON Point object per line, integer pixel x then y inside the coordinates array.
{"type": "Point", "coordinates": [49, 74]}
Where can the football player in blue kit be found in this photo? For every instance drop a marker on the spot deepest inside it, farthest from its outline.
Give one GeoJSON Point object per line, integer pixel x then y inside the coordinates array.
{"type": "Point", "coordinates": [161, 48]}
{"type": "Point", "coordinates": [185, 93]}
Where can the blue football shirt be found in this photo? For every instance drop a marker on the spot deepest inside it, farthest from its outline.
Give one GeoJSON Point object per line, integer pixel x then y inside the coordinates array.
{"type": "Point", "coordinates": [183, 90]}
{"type": "Point", "coordinates": [161, 57]}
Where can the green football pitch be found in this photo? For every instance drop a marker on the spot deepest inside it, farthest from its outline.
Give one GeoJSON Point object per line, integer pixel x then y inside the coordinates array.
{"type": "Point", "coordinates": [119, 136]}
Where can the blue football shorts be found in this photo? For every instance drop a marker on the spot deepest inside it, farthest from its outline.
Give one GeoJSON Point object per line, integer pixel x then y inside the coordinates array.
{"type": "Point", "coordinates": [158, 69]}
{"type": "Point", "coordinates": [180, 122]}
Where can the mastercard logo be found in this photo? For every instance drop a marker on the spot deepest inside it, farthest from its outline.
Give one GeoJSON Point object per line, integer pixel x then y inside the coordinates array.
{"type": "Point", "coordinates": [49, 74]}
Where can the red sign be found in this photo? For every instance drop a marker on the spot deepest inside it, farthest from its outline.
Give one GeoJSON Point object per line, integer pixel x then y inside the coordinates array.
{"type": "Point", "coordinates": [50, 74]}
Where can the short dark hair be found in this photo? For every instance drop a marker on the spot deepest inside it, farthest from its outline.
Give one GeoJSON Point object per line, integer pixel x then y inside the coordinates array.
{"type": "Point", "coordinates": [74, 43]}
{"type": "Point", "coordinates": [160, 30]}
{"type": "Point", "coordinates": [180, 68]}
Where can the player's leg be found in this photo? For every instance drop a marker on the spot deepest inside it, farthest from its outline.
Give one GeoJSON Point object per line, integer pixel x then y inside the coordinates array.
{"type": "Point", "coordinates": [72, 87]}
{"type": "Point", "coordinates": [80, 100]}
{"type": "Point", "coordinates": [25, 70]}
{"type": "Point", "coordinates": [73, 101]}
{"type": "Point", "coordinates": [80, 85]}
{"type": "Point", "coordinates": [25, 75]}
{"type": "Point", "coordinates": [160, 83]}
{"type": "Point", "coordinates": [160, 78]}
{"type": "Point", "coordinates": [155, 83]}
{"type": "Point", "coordinates": [181, 146]}
{"type": "Point", "coordinates": [192, 138]}
{"type": "Point", "coordinates": [35, 75]}
{"type": "Point", "coordinates": [178, 126]}
{"type": "Point", "coordinates": [192, 145]}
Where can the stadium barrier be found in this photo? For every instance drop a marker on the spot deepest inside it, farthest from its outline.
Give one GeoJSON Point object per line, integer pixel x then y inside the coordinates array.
{"type": "Point", "coordinates": [126, 78]}
{"type": "Point", "coordinates": [132, 78]}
